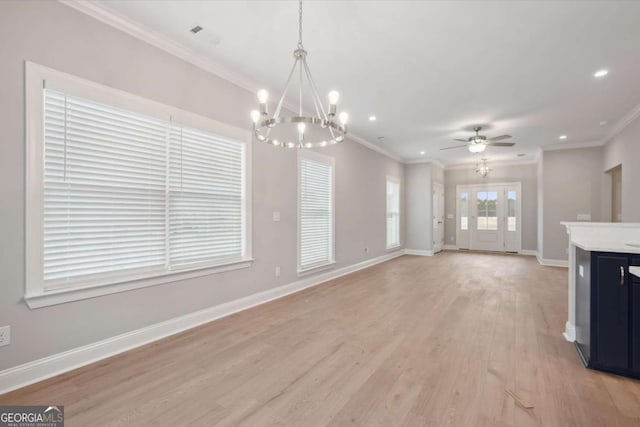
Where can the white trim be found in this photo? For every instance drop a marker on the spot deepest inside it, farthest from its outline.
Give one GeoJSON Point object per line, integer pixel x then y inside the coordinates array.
{"type": "Point", "coordinates": [157, 40]}
{"type": "Point", "coordinates": [418, 252]}
{"type": "Point", "coordinates": [569, 333]}
{"type": "Point", "coordinates": [497, 163]}
{"type": "Point", "coordinates": [37, 77]}
{"type": "Point", "coordinates": [528, 252]}
{"type": "Point", "coordinates": [572, 145]}
{"type": "Point", "coordinates": [450, 248]}
{"type": "Point", "coordinates": [47, 367]}
{"type": "Point", "coordinates": [552, 262]}
{"type": "Point", "coordinates": [621, 125]}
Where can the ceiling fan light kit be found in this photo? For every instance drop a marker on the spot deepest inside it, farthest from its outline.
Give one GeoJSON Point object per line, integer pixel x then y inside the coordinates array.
{"type": "Point", "coordinates": [324, 120]}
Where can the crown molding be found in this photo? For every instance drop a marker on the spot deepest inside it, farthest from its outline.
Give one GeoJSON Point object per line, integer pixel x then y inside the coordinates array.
{"type": "Point", "coordinates": [497, 163]}
{"type": "Point", "coordinates": [572, 145]}
{"type": "Point", "coordinates": [374, 147]}
{"type": "Point", "coordinates": [622, 124]}
{"type": "Point", "coordinates": [155, 39]}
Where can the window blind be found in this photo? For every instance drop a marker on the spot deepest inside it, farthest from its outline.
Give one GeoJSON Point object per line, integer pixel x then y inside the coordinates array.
{"type": "Point", "coordinates": [393, 214]}
{"type": "Point", "coordinates": [316, 213]}
{"type": "Point", "coordinates": [206, 197]}
{"type": "Point", "coordinates": [129, 196]}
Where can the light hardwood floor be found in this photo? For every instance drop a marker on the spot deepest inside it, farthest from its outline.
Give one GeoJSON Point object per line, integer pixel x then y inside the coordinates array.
{"type": "Point", "coordinates": [414, 341]}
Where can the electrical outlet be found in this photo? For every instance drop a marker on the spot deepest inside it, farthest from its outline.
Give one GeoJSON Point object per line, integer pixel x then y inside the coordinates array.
{"type": "Point", "coordinates": [366, 250]}
{"type": "Point", "coordinates": [276, 216]}
{"type": "Point", "coordinates": [452, 238]}
{"type": "Point", "coordinates": [278, 271]}
{"type": "Point", "coordinates": [5, 335]}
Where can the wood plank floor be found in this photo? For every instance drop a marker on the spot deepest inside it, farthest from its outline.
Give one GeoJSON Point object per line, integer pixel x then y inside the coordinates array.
{"type": "Point", "coordinates": [415, 341]}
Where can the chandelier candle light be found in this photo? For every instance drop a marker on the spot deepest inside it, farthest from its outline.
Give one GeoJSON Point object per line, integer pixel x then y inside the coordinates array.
{"type": "Point", "coordinates": [263, 124]}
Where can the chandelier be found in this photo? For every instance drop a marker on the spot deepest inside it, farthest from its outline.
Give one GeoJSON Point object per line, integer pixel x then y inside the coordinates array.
{"type": "Point", "coordinates": [482, 168]}
{"type": "Point", "coordinates": [324, 122]}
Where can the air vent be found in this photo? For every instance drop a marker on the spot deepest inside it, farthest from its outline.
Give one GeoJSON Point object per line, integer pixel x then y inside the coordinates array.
{"type": "Point", "coordinates": [196, 29]}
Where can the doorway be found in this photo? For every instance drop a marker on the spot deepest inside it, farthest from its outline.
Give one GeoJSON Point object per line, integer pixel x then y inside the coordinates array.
{"type": "Point", "coordinates": [488, 217]}
{"type": "Point", "coordinates": [438, 216]}
{"type": "Point", "coordinates": [616, 193]}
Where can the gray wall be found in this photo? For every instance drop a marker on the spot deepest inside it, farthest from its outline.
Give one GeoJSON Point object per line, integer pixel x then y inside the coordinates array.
{"type": "Point", "coordinates": [418, 202]}
{"type": "Point", "coordinates": [62, 38]}
{"type": "Point", "coordinates": [526, 174]}
{"type": "Point", "coordinates": [572, 185]}
{"type": "Point", "coordinates": [624, 150]}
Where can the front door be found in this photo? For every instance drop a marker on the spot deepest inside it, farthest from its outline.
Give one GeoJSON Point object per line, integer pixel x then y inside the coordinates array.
{"type": "Point", "coordinates": [488, 217]}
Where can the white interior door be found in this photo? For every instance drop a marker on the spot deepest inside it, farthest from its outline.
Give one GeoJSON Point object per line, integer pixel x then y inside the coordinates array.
{"type": "Point", "coordinates": [438, 216]}
{"type": "Point", "coordinates": [488, 217]}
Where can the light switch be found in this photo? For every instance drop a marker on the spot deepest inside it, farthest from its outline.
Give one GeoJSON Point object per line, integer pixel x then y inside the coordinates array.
{"type": "Point", "coordinates": [584, 217]}
{"type": "Point", "coordinates": [449, 216]}
{"type": "Point", "coordinates": [276, 216]}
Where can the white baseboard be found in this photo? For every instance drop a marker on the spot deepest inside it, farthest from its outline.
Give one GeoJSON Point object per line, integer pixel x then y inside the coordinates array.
{"type": "Point", "coordinates": [450, 248]}
{"type": "Point", "coordinates": [528, 252]}
{"type": "Point", "coordinates": [38, 370]}
{"type": "Point", "coordinates": [552, 262]}
{"type": "Point", "coordinates": [418, 252]}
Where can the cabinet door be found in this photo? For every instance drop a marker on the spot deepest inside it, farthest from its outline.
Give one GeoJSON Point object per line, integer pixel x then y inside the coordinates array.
{"type": "Point", "coordinates": [612, 313]}
{"type": "Point", "coordinates": [635, 326]}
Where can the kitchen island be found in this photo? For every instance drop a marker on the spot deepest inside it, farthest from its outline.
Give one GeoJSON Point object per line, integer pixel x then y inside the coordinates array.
{"type": "Point", "coordinates": [604, 295]}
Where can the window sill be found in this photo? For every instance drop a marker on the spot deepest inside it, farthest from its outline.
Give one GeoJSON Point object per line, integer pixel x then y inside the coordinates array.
{"type": "Point", "coordinates": [315, 269]}
{"type": "Point", "coordinates": [61, 296]}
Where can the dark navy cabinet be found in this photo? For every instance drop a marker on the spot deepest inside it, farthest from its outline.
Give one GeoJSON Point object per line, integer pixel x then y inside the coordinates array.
{"type": "Point", "coordinates": [608, 312]}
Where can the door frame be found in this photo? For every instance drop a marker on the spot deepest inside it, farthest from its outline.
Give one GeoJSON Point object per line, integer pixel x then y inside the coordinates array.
{"type": "Point", "coordinates": [486, 186]}
{"type": "Point", "coordinates": [437, 190]}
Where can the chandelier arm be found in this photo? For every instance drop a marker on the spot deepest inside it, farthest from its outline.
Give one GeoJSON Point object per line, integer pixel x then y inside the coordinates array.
{"type": "Point", "coordinates": [314, 89]}
{"type": "Point", "coordinates": [276, 113]}
{"type": "Point", "coordinates": [316, 97]}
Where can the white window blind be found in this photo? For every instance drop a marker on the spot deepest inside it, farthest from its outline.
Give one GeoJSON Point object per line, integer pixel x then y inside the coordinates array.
{"type": "Point", "coordinates": [206, 197]}
{"type": "Point", "coordinates": [128, 196]}
{"type": "Point", "coordinates": [316, 213]}
{"type": "Point", "coordinates": [393, 213]}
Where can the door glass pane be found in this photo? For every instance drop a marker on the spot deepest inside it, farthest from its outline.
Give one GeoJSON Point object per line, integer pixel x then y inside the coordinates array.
{"type": "Point", "coordinates": [511, 211]}
{"type": "Point", "coordinates": [464, 211]}
{"type": "Point", "coordinates": [487, 203]}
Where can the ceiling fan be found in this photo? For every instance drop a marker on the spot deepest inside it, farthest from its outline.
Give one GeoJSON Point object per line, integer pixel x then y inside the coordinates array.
{"type": "Point", "coordinates": [478, 143]}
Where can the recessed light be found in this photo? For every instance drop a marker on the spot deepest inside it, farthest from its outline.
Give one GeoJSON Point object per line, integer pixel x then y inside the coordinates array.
{"type": "Point", "coordinates": [601, 73]}
{"type": "Point", "coordinates": [196, 29]}
{"type": "Point", "coordinates": [422, 153]}
{"type": "Point", "coordinates": [562, 137]}
{"type": "Point", "coordinates": [604, 122]}
{"type": "Point", "coordinates": [372, 118]}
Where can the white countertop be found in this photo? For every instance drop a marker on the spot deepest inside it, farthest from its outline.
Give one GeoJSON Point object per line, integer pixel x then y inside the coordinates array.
{"type": "Point", "coordinates": [635, 271]}
{"type": "Point", "coordinates": [608, 246]}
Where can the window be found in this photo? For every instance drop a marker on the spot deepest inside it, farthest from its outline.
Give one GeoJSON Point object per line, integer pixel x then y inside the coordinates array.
{"type": "Point", "coordinates": [511, 210]}
{"type": "Point", "coordinates": [315, 211]}
{"type": "Point", "coordinates": [124, 190]}
{"type": "Point", "coordinates": [487, 210]}
{"type": "Point", "coordinates": [393, 213]}
{"type": "Point", "coordinates": [464, 211]}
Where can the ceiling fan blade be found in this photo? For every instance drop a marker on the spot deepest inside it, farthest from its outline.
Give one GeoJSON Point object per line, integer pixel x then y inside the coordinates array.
{"type": "Point", "coordinates": [501, 144]}
{"type": "Point", "coordinates": [462, 140]}
{"type": "Point", "coordinates": [451, 148]}
{"type": "Point", "coordinates": [500, 138]}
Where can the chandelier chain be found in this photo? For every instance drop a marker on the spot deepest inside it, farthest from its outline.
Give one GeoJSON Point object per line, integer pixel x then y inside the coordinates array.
{"type": "Point", "coordinates": [300, 24]}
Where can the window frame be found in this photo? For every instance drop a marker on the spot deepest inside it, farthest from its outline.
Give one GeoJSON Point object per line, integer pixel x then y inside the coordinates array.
{"type": "Point", "coordinates": [37, 77]}
{"type": "Point", "coordinates": [397, 181]}
{"type": "Point", "coordinates": [313, 156]}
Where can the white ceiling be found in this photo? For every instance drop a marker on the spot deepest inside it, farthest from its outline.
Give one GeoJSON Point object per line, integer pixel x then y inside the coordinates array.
{"type": "Point", "coordinates": [431, 70]}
